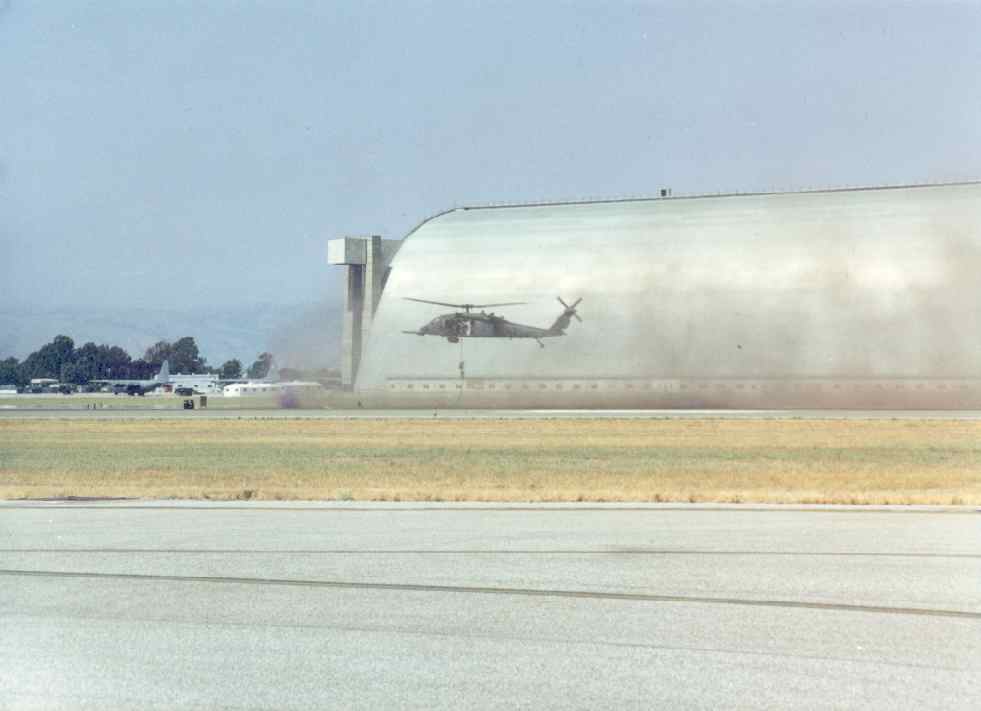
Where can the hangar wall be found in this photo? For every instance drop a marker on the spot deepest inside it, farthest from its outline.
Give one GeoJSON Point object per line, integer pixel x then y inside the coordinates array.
{"type": "Point", "coordinates": [864, 297]}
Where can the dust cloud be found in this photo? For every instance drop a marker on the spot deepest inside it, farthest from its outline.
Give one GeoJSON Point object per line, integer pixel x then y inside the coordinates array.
{"type": "Point", "coordinates": [308, 337]}
{"type": "Point", "coordinates": [860, 284]}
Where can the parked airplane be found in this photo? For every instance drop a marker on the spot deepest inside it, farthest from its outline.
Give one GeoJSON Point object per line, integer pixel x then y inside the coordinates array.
{"type": "Point", "coordinates": [140, 387]}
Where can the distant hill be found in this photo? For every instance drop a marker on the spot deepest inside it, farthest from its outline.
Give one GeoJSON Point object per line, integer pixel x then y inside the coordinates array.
{"type": "Point", "coordinates": [299, 335]}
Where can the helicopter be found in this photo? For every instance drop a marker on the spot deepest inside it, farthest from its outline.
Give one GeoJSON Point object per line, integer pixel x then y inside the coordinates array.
{"type": "Point", "coordinates": [468, 324]}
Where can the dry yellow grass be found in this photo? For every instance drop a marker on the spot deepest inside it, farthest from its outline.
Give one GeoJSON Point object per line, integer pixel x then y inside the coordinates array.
{"type": "Point", "coordinates": [792, 461]}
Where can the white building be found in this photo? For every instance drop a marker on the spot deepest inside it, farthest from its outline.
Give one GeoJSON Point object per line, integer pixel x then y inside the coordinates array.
{"type": "Point", "coordinates": [202, 383]}
{"type": "Point", "coordinates": [256, 389]}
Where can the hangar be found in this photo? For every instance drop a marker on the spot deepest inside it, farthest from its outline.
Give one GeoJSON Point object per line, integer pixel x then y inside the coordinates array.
{"type": "Point", "coordinates": [859, 297]}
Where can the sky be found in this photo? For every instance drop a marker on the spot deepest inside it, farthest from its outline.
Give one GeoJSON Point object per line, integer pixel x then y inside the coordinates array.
{"type": "Point", "coordinates": [201, 153]}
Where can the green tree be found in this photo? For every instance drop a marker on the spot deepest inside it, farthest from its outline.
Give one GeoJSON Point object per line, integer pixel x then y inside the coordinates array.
{"type": "Point", "coordinates": [139, 369]}
{"type": "Point", "coordinates": [261, 367]}
{"type": "Point", "coordinates": [46, 362]}
{"type": "Point", "coordinates": [10, 372]}
{"type": "Point", "coordinates": [73, 373]}
{"type": "Point", "coordinates": [92, 362]}
{"type": "Point", "coordinates": [185, 357]}
{"type": "Point", "coordinates": [113, 362]}
{"type": "Point", "coordinates": [86, 363]}
{"type": "Point", "coordinates": [60, 359]}
{"type": "Point", "coordinates": [230, 369]}
{"type": "Point", "coordinates": [159, 352]}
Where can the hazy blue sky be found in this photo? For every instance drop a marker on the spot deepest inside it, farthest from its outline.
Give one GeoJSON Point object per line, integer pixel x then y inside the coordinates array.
{"type": "Point", "coordinates": [203, 152]}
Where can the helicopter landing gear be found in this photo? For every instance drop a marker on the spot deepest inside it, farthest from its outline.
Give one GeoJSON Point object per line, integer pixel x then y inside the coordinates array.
{"type": "Point", "coordinates": [540, 344]}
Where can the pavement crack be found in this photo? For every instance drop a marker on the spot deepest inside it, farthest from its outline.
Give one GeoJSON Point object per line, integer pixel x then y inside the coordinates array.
{"type": "Point", "coordinates": [479, 590]}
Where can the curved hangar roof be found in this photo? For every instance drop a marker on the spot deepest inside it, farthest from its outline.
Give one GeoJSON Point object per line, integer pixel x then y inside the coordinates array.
{"type": "Point", "coordinates": [863, 282]}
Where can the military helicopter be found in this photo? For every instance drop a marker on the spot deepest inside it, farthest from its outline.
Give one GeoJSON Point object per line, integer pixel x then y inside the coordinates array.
{"type": "Point", "coordinates": [467, 324]}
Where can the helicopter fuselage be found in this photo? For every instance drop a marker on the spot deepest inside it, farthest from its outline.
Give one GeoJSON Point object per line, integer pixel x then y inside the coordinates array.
{"type": "Point", "coordinates": [472, 324]}
{"type": "Point", "coordinates": [455, 326]}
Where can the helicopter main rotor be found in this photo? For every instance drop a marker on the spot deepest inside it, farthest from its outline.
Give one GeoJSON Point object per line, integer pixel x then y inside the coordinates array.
{"type": "Point", "coordinates": [465, 307]}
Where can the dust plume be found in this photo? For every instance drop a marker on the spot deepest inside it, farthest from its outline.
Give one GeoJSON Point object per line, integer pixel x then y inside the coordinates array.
{"type": "Point", "coordinates": [857, 284]}
{"type": "Point", "coordinates": [308, 337]}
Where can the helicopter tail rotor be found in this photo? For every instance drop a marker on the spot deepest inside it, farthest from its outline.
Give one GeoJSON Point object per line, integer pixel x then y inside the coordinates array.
{"type": "Point", "coordinates": [562, 322]}
{"type": "Point", "coordinates": [571, 310]}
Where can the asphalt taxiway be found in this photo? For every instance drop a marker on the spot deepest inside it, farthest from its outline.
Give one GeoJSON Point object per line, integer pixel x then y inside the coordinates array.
{"type": "Point", "coordinates": [238, 605]}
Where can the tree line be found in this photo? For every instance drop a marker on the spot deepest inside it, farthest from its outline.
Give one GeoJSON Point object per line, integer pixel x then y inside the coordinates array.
{"type": "Point", "coordinates": [61, 360]}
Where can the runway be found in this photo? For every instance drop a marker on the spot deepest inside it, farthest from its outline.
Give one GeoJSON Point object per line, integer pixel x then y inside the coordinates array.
{"type": "Point", "coordinates": [353, 605]}
{"type": "Point", "coordinates": [139, 413]}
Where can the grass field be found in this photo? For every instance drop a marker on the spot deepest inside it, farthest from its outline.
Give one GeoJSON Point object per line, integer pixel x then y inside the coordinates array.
{"type": "Point", "coordinates": [83, 401]}
{"type": "Point", "coordinates": [801, 461]}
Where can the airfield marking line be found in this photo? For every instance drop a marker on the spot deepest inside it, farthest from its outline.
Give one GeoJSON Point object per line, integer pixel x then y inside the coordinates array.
{"type": "Point", "coordinates": [560, 507]}
{"type": "Point", "coordinates": [477, 551]}
{"type": "Point", "coordinates": [481, 590]}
